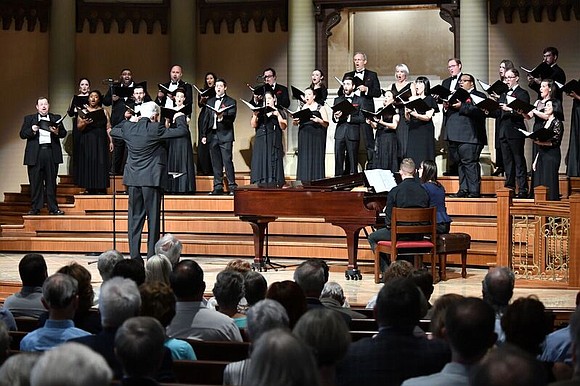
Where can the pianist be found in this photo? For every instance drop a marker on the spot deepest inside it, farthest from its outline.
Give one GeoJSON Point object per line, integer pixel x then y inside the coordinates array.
{"type": "Point", "coordinates": [408, 194]}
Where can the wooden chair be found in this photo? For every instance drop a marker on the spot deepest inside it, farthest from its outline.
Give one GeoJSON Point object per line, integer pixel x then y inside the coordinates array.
{"type": "Point", "coordinates": [401, 224]}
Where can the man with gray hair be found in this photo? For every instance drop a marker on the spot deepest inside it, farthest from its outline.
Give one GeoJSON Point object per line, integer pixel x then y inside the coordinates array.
{"type": "Point", "coordinates": [107, 261]}
{"type": "Point", "coordinates": [120, 300]}
{"type": "Point", "coordinates": [60, 298]}
{"type": "Point", "coordinates": [332, 297]}
{"type": "Point", "coordinates": [263, 316]}
{"type": "Point", "coordinates": [71, 364]}
{"type": "Point", "coordinates": [498, 289]}
{"type": "Point", "coordinates": [169, 246]}
{"type": "Point", "coordinates": [146, 171]}
{"type": "Point", "coordinates": [310, 277]}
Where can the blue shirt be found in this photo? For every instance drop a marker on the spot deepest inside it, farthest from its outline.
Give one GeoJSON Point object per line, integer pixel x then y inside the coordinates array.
{"type": "Point", "coordinates": [52, 334]}
{"type": "Point", "coordinates": [437, 199]}
{"type": "Point", "coordinates": [180, 349]}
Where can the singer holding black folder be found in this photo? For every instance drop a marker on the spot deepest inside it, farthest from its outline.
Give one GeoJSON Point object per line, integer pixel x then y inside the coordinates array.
{"type": "Point", "coordinates": [204, 167]}
{"type": "Point", "coordinates": [386, 144]}
{"type": "Point", "coordinates": [77, 102]}
{"type": "Point", "coordinates": [42, 132]}
{"type": "Point", "coordinates": [547, 161]}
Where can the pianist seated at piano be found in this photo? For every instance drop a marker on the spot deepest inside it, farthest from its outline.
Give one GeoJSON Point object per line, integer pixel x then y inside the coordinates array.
{"type": "Point", "coordinates": [436, 192]}
{"type": "Point", "coordinates": [408, 194]}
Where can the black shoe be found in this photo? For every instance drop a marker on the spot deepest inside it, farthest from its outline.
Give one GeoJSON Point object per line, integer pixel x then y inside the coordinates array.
{"type": "Point", "coordinates": [57, 212]}
{"type": "Point", "coordinates": [450, 173]}
{"type": "Point", "coordinates": [216, 192]}
{"type": "Point", "coordinates": [498, 172]}
{"type": "Point", "coordinates": [34, 212]}
{"type": "Point", "coordinates": [231, 193]}
{"type": "Point", "coordinates": [521, 195]}
{"type": "Point", "coordinates": [460, 194]}
{"type": "Point", "coordinates": [473, 195]}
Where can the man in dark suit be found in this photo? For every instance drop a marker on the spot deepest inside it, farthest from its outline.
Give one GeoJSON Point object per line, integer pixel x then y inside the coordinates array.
{"type": "Point", "coordinates": [145, 171]}
{"type": "Point", "coordinates": [408, 194]}
{"type": "Point", "coordinates": [42, 155]}
{"type": "Point", "coordinates": [278, 90]}
{"type": "Point", "coordinates": [118, 110]}
{"type": "Point", "coordinates": [135, 102]}
{"type": "Point", "coordinates": [218, 132]}
{"type": "Point", "coordinates": [166, 99]}
{"type": "Point", "coordinates": [511, 139]}
{"type": "Point", "coordinates": [395, 353]}
{"type": "Point", "coordinates": [369, 88]}
{"type": "Point", "coordinates": [452, 83]}
{"type": "Point", "coordinates": [465, 134]}
{"type": "Point", "coordinates": [347, 134]}
{"type": "Point", "coordinates": [550, 56]}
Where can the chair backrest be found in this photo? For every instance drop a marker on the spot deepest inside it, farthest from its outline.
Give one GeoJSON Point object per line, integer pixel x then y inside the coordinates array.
{"type": "Point", "coordinates": [414, 221]}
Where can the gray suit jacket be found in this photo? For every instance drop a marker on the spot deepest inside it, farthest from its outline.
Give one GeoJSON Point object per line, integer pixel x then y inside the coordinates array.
{"type": "Point", "coordinates": [147, 157]}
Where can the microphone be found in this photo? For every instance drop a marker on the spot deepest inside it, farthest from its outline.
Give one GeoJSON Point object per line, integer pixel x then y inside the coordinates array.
{"type": "Point", "coordinates": [260, 77]}
{"type": "Point", "coordinates": [109, 81]}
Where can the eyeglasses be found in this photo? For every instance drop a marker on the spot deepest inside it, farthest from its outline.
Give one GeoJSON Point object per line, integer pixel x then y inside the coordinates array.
{"type": "Point", "coordinates": [510, 77]}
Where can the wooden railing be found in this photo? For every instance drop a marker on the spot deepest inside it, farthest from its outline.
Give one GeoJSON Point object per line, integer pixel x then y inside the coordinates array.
{"type": "Point", "coordinates": [536, 239]}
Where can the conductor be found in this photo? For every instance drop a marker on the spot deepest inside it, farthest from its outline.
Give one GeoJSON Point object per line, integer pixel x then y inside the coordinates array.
{"type": "Point", "coordinates": [145, 171]}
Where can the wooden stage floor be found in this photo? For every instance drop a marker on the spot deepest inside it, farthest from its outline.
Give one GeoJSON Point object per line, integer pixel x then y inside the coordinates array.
{"type": "Point", "coordinates": [357, 292]}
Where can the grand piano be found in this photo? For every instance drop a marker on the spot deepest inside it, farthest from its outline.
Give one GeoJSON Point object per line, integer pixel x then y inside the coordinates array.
{"type": "Point", "coordinates": [329, 198]}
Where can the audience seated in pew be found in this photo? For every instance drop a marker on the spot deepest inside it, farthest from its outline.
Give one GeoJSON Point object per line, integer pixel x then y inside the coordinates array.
{"type": "Point", "coordinates": [497, 290]}
{"type": "Point", "coordinates": [291, 297]}
{"type": "Point", "coordinates": [229, 291]}
{"type": "Point", "coordinates": [4, 342]}
{"type": "Point", "coordinates": [17, 369]}
{"type": "Point", "coordinates": [106, 263]}
{"type": "Point", "coordinates": [8, 319]}
{"type": "Point", "coordinates": [170, 246]}
{"type": "Point", "coordinates": [332, 297]}
{"type": "Point", "coordinates": [255, 287]}
{"type": "Point", "coordinates": [558, 344]}
{"type": "Point", "coordinates": [33, 271]}
{"type": "Point", "coordinates": [575, 336]}
{"type": "Point", "coordinates": [130, 269]}
{"type": "Point", "coordinates": [158, 268]}
{"type": "Point", "coordinates": [438, 312]}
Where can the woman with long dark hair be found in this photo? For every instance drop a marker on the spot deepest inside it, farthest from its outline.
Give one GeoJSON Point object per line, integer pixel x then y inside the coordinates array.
{"type": "Point", "coordinates": [421, 128]}
{"type": "Point", "coordinates": [436, 192]}
{"type": "Point", "coordinates": [203, 160]}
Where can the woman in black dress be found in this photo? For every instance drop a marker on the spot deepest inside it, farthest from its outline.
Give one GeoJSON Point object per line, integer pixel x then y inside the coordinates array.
{"type": "Point", "coordinates": [400, 86]}
{"type": "Point", "coordinates": [312, 141]}
{"type": "Point", "coordinates": [573, 156]}
{"type": "Point", "coordinates": [421, 128]}
{"type": "Point", "coordinates": [386, 145]}
{"type": "Point", "coordinates": [320, 90]}
{"type": "Point", "coordinates": [77, 102]}
{"type": "Point", "coordinates": [95, 144]}
{"type": "Point", "coordinates": [203, 160]}
{"type": "Point", "coordinates": [268, 153]}
{"type": "Point", "coordinates": [547, 163]}
{"type": "Point", "coordinates": [180, 157]}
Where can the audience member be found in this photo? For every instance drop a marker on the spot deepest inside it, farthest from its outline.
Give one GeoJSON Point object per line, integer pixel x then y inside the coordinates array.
{"type": "Point", "coordinates": [4, 342]}
{"type": "Point", "coordinates": [575, 335]}
{"type": "Point", "coordinates": [498, 289]}
{"type": "Point", "coordinates": [84, 318]}
{"type": "Point", "coordinates": [263, 316]}
{"type": "Point", "coordinates": [291, 296]}
{"type": "Point", "coordinates": [558, 344]}
{"type": "Point", "coordinates": [130, 269]}
{"type": "Point", "coordinates": [228, 291]}
{"type": "Point", "coordinates": [469, 329]}
{"type": "Point", "coordinates": [158, 301]}
{"type": "Point", "coordinates": [8, 319]}
{"type": "Point", "coordinates": [328, 337]}
{"type": "Point", "coordinates": [107, 261]}
{"type": "Point", "coordinates": [60, 297]}
{"type": "Point", "coordinates": [508, 365]}
{"type": "Point", "coordinates": [139, 347]}
{"type": "Point", "coordinates": [158, 268]}
{"type": "Point", "coordinates": [120, 300]}
{"type": "Point", "coordinates": [437, 313]}
{"type": "Point", "coordinates": [398, 268]}
{"type": "Point", "coordinates": [424, 280]}
{"type": "Point", "coordinates": [255, 287]}
{"type": "Point", "coordinates": [332, 297]}
{"type": "Point", "coordinates": [169, 246]}
{"type": "Point", "coordinates": [192, 319]}
{"type": "Point", "coordinates": [309, 275]}
{"type": "Point", "coordinates": [239, 265]}
{"type": "Point", "coordinates": [71, 364]}
{"type": "Point", "coordinates": [395, 353]}
{"type": "Point", "coordinates": [275, 359]}
{"type": "Point", "coordinates": [16, 370]}
{"type": "Point", "coordinates": [27, 302]}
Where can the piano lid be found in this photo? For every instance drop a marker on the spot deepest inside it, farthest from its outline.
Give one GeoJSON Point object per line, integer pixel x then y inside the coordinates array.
{"type": "Point", "coordinates": [336, 183]}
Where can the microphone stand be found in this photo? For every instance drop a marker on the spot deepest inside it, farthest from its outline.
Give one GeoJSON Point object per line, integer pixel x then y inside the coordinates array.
{"type": "Point", "coordinates": [110, 83]}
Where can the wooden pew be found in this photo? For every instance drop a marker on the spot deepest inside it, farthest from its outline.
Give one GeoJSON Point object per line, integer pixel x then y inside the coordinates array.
{"type": "Point", "coordinates": [200, 371]}
{"type": "Point", "coordinates": [26, 324]}
{"type": "Point", "coordinates": [219, 350]}
{"type": "Point", "coordinates": [15, 338]}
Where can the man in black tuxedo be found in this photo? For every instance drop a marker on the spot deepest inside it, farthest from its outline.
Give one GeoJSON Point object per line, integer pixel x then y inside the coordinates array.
{"type": "Point", "coordinates": [395, 353]}
{"type": "Point", "coordinates": [278, 90]}
{"type": "Point", "coordinates": [145, 171]}
{"type": "Point", "coordinates": [465, 133]}
{"type": "Point", "coordinates": [135, 102]}
{"type": "Point", "coordinates": [42, 155]}
{"type": "Point", "coordinates": [167, 100]}
{"type": "Point", "coordinates": [550, 56]}
{"type": "Point", "coordinates": [118, 110]}
{"type": "Point", "coordinates": [369, 88]}
{"type": "Point", "coordinates": [454, 67]}
{"type": "Point", "coordinates": [511, 139]}
{"type": "Point", "coordinates": [347, 134]}
{"type": "Point", "coordinates": [218, 132]}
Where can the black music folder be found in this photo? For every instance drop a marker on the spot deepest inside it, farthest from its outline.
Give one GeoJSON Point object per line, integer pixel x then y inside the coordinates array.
{"type": "Point", "coordinates": [46, 125]}
{"type": "Point", "coordinates": [572, 85]}
{"type": "Point", "coordinates": [519, 105]}
{"type": "Point", "coordinates": [440, 92]}
{"type": "Point", "coordinates": [497, 88]}
{"type": "Point", "coordinates": [79, 101]}
{"type": "Point", "coordinates": [221, 109]}
{"type": "Point", "coordinates": [302, 115]}
{"type": "Point", "coordinates": [386, 113]}
{"type": "Point", "coordinates": [98, 116]}
{"type": "Point", "coordinates": [542, 70]}
{"type": "Point", "coordinates": [207, 93]}
{"type": "Point", "coordinates": [297, 93]}
{"type": "Point", "coordinates": [541, 135]}
{"type": "Point", "coordinates": [486, 104]}
{"type": "Point", "coordinates": [417, 104]}
{"type": "Point", "coordinates": [345, 107]}
{"type": "Point", "coordinates": [169, 112]}
{"type": "Point", "coordinates": [260, 108]}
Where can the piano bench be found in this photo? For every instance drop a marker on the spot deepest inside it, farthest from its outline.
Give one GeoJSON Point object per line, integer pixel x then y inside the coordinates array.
{"type": "Point", "coordinates": [452, 243]}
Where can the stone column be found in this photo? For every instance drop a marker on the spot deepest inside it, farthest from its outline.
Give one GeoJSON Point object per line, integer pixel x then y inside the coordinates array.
{"type": "Point", "coordinates": [301, 62]}
{"type": "Point", "coordinates": [61, 62]}
{"type": "Point", "coordinates": [474, 48]}
{"type": "Point", "coordinates": [183, 33]}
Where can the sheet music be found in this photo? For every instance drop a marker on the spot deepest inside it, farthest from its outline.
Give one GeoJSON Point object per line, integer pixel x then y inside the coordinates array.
{"type": "Point", "coordinates": [380, 180]}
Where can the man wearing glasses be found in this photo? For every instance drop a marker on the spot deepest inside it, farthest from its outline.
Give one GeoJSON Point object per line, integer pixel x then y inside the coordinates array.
{"type": "Point", "coordinates": [280, 91]}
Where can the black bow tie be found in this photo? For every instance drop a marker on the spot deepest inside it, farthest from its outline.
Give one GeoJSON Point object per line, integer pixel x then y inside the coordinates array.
{"type": "Point", "coordinates": [174, 83]}
{"type": "Point", "coordinates": [360, 72]}
{"type": "Point", "coordinates": [454, 77]}
{"type": "Point", "coordinates": [138, 104]}
{"type": "Point", "coordinates": [219, 98]}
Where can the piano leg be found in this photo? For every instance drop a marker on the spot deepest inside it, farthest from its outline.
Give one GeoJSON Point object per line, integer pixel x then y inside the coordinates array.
{"type": "Point", "coordinates": [259, 225]}
{"type": "Point", "coordinates": [352, 232]}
